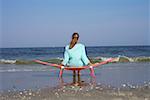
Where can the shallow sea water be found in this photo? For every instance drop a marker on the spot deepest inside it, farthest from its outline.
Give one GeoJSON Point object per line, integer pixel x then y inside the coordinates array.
{"type": "Point", "coordinates": [114, 75]}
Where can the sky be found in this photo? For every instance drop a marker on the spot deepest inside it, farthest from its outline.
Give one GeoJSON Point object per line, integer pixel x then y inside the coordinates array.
{"type": "Point", "coordinates": [50, 23]}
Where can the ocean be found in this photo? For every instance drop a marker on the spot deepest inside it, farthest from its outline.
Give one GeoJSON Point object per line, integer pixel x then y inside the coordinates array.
{"type": "Point", "coordinates": [57, 52]}
{"type": "Point", "coordinates": [18, 71]}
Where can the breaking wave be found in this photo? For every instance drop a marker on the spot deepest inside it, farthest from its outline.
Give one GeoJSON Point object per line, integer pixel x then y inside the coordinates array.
{"type": "Point", "coordinates": [93, 60]}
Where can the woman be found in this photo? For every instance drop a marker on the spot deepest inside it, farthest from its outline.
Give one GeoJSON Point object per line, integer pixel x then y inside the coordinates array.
{"type": "Point", "coordinates": [75, 54]}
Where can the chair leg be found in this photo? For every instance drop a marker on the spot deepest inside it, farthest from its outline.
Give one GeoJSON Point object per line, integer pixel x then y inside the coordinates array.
{"type": "Point", "coordinates": [92, 73]}
{"type": "Point", "coordinates": [61, 72]}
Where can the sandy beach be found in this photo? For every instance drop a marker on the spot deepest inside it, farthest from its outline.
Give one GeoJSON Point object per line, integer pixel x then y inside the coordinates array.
{"type": "Point", "coordinates": [72, 92]}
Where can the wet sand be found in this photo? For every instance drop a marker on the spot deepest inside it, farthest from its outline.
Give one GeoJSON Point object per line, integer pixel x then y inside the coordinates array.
{"type": "Point", "coordinates": [80, 92]}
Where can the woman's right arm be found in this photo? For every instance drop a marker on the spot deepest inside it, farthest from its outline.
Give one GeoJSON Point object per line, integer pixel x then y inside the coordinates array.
{"type": "Point", "coordinates": [66, 58]}
{"type": "Point", "coordinates": [84, 56]}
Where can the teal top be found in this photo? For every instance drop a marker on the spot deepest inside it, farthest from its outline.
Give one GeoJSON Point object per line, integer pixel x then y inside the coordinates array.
{"type": "Point", "coordinates": [76, 56]}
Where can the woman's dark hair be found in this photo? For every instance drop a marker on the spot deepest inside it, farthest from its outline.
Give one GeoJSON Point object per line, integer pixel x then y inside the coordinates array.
{"type": "Point", "coordinates": [75, 33]}
{"type": "Point", "coordinates": [72, 44]}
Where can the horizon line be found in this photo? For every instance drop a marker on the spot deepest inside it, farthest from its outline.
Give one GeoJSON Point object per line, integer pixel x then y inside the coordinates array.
{"type": "Point", "coordinates": [86, 46]}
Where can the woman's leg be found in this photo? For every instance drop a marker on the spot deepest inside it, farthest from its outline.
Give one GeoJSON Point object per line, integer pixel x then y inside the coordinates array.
{"type": "Point", "coordinates": [74, 76]}
{"type": "Point", "coordinates": [79, 80]}
{"type": "Point", "coordinates": [78, 72]}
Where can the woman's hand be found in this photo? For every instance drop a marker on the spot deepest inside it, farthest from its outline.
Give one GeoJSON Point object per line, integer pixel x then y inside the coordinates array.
{"type": "Point", "coordinates": [62, 65]}
{"type": "Point", "coordinates": [90, 64]}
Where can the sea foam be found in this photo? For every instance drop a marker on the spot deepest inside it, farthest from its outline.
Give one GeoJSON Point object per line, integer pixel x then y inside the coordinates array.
{"type": "Point", "coordinates": [5, 61]}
